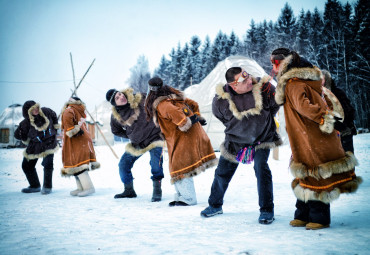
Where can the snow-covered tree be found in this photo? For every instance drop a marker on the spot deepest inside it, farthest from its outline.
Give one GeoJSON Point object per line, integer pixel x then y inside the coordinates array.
{"type": "Point", "coordinates": [140, 75]}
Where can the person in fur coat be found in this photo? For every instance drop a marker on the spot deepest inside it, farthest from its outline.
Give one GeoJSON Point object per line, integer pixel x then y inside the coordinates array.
{"type": "Point", "coordinates": [346, 128]}
{"type": "Point", "coordinates": [189, 148]}
{"type": "Point", "coordinates": [128, 120]}
{"type": "Point", "coordinates": [38, 131]}
{"type": "Point", "coordinates": [78, 153]}
{"type": "Point", "coordinates": [321, 168]}
{"type": "Point", "coordinates": [246, 106]}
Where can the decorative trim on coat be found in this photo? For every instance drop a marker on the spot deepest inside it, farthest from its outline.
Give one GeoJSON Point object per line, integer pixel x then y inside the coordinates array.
{"type": "Point", "coordinates": [32, 118]}
{"type": "Point", "coordinates": [70, 171]}
{"type": "Point", "coordinates": [73, 131]}
{"type": "Point", "coordinates": [257, 95]}
{"type": "Point", "coordinates": [40, 155]}
{"type": "Point", "coordinates": [134, 102]}
{"type": "Point", "coordinates": [268, 145]}
{"type": "Point", "coordinates": [325, 196]}
{"type": "Point", "coordinates": [138, 152]}
{"type": "Point", "coordinates": [284, 76]}
{"type": "Point", "coordinates": [325, 170]}
{"type": "Point", "coordinates": [196, 171]}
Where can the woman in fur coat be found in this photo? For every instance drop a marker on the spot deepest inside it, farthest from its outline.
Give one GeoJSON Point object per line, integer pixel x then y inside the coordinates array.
{"type": "Point", "coordinates": [189, 148]}
{"type": "Point", "coordinates": [321, 168]}
{"type": "Point", "coordinates": [128, 120]}
{"type": "Point", "coordinates": [78, 152]}
{"type": "Point", "coordinates": [38, 131]}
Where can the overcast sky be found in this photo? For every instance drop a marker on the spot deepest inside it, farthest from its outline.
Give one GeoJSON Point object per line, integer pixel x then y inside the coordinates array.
{"type": "Point", "coordinates": [36, 37]}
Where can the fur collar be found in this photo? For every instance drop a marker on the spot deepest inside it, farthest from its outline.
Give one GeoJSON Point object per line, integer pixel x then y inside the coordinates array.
{"type": "Point", "coordinates": [71, 103]}
{"type": "Point", "coordinates": [134, 101]}
{"type": "Point", "coordinates": [162, 98]}
{"type": "Point", "coordinates": [257, 95]}
{"type": "Point", "coordinates": [285, 75]}
{"type": "Point", "coordinates": [32, 118]}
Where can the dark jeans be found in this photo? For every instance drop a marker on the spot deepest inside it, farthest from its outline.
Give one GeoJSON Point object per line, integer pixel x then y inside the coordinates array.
{"type": "Point", "coordinates": [313, 211]}
{"type": "Point", "coordinates": [29, 170]}
{"type": "Point", "coordinates": [127, 161]}
{"type": "Point", "coordinates": [225, 171]}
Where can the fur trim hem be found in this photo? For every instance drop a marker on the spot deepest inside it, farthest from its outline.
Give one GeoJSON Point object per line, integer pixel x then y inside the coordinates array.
{"type": "Point", "coordinates": [66, 172]}
{"type": "Point", "coordinates": [27, 141]}
{"type": "Point", "coordinates": [56, 126]}
{"type": "Point", "coordinates": [325, 170]}
{"type": "Point", "coordinates": [73, 131]}
{"type": "Point", "coordinates": [138, 152]}
{"type": "Point", "coordinates": [196, 171]}
{"type": "Point", "coordinates": [186, 126]}
{"type": "Point", "coordinates": [227, 155]}
{"type": "Point", "coordinates": [94, 165]}
{"type": "Point", "coordinates": [256, 90]}
{"type": "Point", "coordinates": [325, 196]}
{"type": "Point", "coordinates": [270, 145]}
{"type": "Point", "coordinates": [40, 155]}
{"type": "Point", "coordinates": [32, 118]}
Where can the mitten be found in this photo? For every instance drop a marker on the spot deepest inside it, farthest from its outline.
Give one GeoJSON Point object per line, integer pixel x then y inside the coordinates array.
{"type": "Point", "coordinates": [202, 121]}
{"type": "Point", "coordinates": [194, 119]}
{"type": "Point", "coordinates": [81, 132]}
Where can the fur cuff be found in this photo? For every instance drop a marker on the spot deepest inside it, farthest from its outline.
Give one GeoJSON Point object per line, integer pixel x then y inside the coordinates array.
{"type": "Point", "coordinates": [187, 125]}
{"type": "Point", "coordinates": [57, 126]}
{"type": "Point", "coordinates": [27, 141]}
{"type": "Point", "coordinates": [328, 125]}
{"type": "Point", "coordinates": [73, 131]}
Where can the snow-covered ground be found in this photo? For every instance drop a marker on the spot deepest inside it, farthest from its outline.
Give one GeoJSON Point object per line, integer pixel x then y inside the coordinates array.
{"type": "Point", "coordinates": [61, 224]}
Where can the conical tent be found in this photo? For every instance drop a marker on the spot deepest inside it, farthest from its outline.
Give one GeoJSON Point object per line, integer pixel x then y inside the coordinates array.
{"type": "Point", "coordinates": [9, 120]}
{"type": "Point", "coordinates": [204, 92]}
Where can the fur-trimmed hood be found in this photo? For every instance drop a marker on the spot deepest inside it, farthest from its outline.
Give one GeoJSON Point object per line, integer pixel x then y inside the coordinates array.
{"type": "Point", "coordinates": [68, 103]}
{"type": "Point", "coordinates": [133, 101]}
{"type": "Point", "coordinates": [284, 75]}
{"type": "Point", "coordinates": [31, 117]}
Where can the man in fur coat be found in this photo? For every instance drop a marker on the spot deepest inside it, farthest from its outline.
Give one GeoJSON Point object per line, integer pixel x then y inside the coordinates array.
{"type": "Point", "coordinates": [38, 131]}
{"type": "Point", "coordinates": [246, 106]}
{"type": "Point", "coordinates": [78, 152]}
{"type": "Point", "coordinates": [129, 121]}
{"type": "Point", "coordinates": [321, 168]}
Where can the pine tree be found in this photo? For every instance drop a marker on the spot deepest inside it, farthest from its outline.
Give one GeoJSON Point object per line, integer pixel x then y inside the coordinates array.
{"type": "Point", "coordinates": [140, 75]}
{"type": "Point", "coordinates": [163, 71]}
{"type": "Point", "coordinates": [195, 43]}
{"type": "Point", "coordinates": [286, 28]}
{"type": "Point", "coordinates": [206, 65]}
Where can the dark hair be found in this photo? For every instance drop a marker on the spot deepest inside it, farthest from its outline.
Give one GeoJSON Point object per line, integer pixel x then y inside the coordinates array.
{"type": "Point", "coordinates": [297, 61]}
{"type": "Point", "coordinates": [231, 72]}
{"type": "Point", "coordinates": [164, 90]}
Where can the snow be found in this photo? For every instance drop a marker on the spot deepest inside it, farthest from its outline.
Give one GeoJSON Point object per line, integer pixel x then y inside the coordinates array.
{"type": "Point", "coordinates": [61, 224]}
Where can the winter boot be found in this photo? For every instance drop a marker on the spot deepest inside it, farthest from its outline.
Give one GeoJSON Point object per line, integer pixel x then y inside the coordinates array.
{"type": "Point", "coordinates": [157, 191]}
{"type": "Point", "coordinates": [129, 191]}
{"type": "Point", "coordinates": [48, 177]}
{"type": "Point", "coordinates": [33, 180]}
{"type": "Point", "coordinates": [79, 188]}
{"type": "Point", "coordinates": [86, 183]}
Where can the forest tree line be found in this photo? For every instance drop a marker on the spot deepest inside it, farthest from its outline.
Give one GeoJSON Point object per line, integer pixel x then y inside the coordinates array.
{"type": "Point", "coordinates": [336, 40]}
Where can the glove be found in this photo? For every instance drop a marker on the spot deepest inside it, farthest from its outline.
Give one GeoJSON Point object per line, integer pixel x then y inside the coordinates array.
{"type": "Point", "coordinates": [194, 119]}
{"type": "Point", "coordinates": [202, 121]}
{"type": "Point", "coordinates": [81, 132]}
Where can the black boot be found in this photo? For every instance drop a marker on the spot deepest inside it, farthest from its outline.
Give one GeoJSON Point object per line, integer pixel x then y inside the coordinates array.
{"type": "Point", "coordinates": [48, 184]}
{"type": "Point", "coordinates": [129, 191]}
{"type": "Point", "coordinates": [29, 170]}
{"type": "Point", "coordinates": [157, 191]}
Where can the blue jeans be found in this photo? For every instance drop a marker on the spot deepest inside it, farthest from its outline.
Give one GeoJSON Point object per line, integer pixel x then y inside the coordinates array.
{"type": "Point", "coordinates": [225, 171]}
{"type": "Point", "coordinates": [127, 161]}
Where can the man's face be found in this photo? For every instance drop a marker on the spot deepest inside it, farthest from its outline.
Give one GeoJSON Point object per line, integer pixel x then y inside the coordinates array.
{"type": "Point", "coordinates": [242, 83]}
{"type": "Point", "coordinates": [35, 111]}
{"type": "Point", "coordinates": [120, 99]}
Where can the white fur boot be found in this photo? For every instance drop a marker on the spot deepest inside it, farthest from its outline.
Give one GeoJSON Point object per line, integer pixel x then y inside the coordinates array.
{"type": "Point", "coordinates": [79, 188]}
{"type": "Point", "coordinates": [86, 183]}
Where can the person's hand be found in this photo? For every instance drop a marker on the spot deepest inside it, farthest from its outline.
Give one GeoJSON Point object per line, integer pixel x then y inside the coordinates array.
{"type": "Point", "coordinates": [202, 121]}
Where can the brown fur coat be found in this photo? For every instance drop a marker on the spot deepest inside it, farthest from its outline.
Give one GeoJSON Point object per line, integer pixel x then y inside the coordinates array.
{"type": "Point", "coordinates": [321, 168]}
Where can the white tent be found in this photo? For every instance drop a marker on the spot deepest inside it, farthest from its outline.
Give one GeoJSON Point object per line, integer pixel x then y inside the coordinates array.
{"type": "Point", "coordinates": [9, 120]}
{"type": "Point", "coordinates": [204, 92]}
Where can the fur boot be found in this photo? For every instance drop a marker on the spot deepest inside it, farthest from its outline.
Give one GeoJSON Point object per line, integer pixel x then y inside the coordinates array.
{"type": "Point", "coordinates": [86, 183]}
